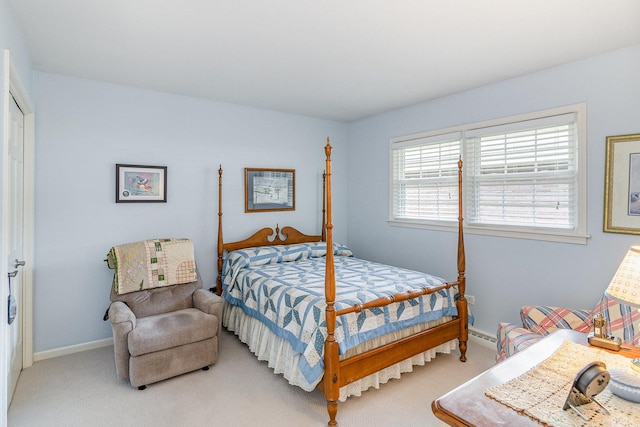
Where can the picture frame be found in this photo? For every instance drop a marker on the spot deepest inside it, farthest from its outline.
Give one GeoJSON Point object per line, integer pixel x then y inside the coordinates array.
{"type": "Point", "coordinates": [267, 190]}
{"type": "Point", "coordinates": [141, 184]}
{"type": "Point", "coordinates": [622, 184]}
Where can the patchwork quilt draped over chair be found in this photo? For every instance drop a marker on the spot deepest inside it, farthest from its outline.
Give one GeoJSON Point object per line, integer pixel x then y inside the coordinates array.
{"type": "Point", "coordinates": [152, 264]}
{"type": "Point", "coordinates": [538, 321]}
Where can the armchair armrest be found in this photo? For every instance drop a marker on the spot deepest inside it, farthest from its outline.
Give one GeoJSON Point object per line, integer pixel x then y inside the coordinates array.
{"type": "Point", "coordinates": [123, 321]}
{"type": "Point", "coordinates": [120, 313]}
{"type": "Point", "coordinates": [543, 319]}
{"type": "Point", "coordinates": [512, 339]}
{"type": "Point", "coordinates": [209, 303]}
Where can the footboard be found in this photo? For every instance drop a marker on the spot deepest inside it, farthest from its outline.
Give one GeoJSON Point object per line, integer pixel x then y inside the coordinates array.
{"type": "Point", "coordinates": [456, 328]}
{"type": "Point", "coordinates": [364, 364]}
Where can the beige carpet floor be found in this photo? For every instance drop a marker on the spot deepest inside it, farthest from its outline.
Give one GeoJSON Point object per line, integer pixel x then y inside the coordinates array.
{"type": "Point", "coordinates": [82, 390]}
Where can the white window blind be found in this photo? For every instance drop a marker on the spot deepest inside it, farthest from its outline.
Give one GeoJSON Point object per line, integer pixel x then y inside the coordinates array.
{"type": "Point", "coordinates": [523, 174]}
{"type": "Point", "coordinates": [524, 177]}
{"type": "Point", "coordinates": [425, 178]}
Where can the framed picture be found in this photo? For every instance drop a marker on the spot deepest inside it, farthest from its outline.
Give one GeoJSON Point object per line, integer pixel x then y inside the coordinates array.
{"type": "Point", "coordinates": [269, 190]}
{"type": "Point", "coordinates": [136, 183]}
{"type": "Point", "coordinates": [622, 185]}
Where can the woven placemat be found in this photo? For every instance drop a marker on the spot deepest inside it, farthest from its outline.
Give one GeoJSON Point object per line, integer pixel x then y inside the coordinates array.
{"type": "Point", "coordinates": [541, 392]}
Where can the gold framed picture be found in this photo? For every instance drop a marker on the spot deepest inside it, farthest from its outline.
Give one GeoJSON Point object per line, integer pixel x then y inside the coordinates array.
{"type": "Point", "coordinates": [622, 184]}
{"type": "Point", "coordinates": [268, 190]}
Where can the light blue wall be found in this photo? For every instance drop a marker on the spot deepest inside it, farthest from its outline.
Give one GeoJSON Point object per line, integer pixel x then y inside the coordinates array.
{"type": "Point", "coordinates": [84, 128]}
{"type": "Point", "coordinates": [503, 273]}
{"type": "Point", "coordinates": [11, 38]}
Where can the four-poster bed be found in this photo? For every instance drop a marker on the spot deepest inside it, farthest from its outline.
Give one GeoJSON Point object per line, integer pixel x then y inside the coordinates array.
{"type": "Point", "coordinates": [340, 340]}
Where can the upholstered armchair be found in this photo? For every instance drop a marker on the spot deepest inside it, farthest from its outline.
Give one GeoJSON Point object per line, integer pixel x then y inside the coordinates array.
{"type": "Point", "coordinates": [623, 321]}
{"type": "Point", "coordinates": [165, 330]}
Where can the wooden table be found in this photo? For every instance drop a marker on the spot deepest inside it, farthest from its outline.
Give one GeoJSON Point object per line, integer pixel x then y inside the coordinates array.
{"type": "Point", "coordinates": [467, 405]}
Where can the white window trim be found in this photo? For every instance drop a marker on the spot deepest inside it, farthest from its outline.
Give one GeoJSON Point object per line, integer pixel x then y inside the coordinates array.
{"type": "Point", "coordinates": [577, 236]}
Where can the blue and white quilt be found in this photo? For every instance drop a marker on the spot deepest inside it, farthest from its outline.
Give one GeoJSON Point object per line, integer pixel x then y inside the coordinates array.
{"type": "Point", "coordinates": [283, 287]}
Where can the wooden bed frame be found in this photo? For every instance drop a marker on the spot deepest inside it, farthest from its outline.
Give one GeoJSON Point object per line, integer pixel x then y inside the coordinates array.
{"type": "Point", "coordinates": [338, 373]}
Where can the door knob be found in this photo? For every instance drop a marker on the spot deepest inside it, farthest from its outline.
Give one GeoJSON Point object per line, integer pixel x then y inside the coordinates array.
{"type": "Point", "coordinates": [19, 263]}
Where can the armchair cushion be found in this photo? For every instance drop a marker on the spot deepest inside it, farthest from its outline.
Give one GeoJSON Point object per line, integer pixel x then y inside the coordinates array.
{"type": "Point", "coordinates": [168, 330]}
{"type": "Point", "coordinates": [159, 300]}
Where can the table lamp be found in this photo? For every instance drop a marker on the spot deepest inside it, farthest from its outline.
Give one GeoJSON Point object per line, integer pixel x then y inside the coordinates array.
{"type": "Point", "coordinates": [625, 285]}
{"type": "Point", "coordinates": [625, 288]}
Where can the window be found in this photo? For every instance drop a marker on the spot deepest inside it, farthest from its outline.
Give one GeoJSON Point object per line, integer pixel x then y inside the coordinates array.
{"type": "Point", "coordinates": [425, 184]}
{"type": "Point", "coordinates": [523, 177]}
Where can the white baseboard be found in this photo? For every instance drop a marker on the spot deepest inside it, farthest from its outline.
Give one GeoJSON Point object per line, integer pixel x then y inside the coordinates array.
{"type": "Point", "coordinates": [63, 351]}
{"type": "Point", "coordinates": [483, 338]}
{"type": "Point", "coordinates": [476, 335]}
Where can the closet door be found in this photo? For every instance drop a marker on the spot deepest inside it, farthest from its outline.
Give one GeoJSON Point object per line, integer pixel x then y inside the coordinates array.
{"type": "Point", "coordinates": [15, 242]}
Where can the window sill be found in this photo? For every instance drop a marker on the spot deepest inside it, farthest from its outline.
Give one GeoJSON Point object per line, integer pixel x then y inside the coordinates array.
{"type": "Point", "coordinates": [452, 226]}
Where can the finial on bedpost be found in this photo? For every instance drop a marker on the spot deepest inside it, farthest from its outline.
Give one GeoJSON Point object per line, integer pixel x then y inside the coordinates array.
{"type": "Point", "coordinates": [220, 240]}
{"type": "Point", "coordinates": [327, 149]}
{"type": "Point", "coordinates": [326, 190]}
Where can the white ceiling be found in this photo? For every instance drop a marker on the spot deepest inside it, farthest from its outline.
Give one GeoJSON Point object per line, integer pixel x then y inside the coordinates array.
{"type": "Point", "coordinates": [334, 59]}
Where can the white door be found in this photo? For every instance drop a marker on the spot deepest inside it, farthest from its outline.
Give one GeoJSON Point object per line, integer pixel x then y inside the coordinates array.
{"type": "Point", "coordinates": [15, 241]}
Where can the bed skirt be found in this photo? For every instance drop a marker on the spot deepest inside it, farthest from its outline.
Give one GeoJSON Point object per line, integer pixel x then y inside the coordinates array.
{"type": "Point", "coordinates": [282, 359]}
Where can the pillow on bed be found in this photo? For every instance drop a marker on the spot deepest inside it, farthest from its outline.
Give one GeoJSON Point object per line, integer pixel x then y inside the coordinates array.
{"type": "Point", "coordinates": [262, 255]}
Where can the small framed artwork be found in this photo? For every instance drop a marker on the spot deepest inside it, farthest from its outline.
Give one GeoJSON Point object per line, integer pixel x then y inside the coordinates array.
{"type": "Point", "coordinates": [137, 183]}
{"type": "Point", "coordinates": [622, 184]}
{"type": "Point", "coordinates": [269, 190]}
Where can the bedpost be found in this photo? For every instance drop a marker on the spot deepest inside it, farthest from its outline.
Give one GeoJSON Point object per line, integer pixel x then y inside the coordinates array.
{"type": "Point", "coordinates": [463, 310]}
{"type": "Point", "coordinates": [331, 363]}
{"type": "Point", "coordinates": [220, 240]}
